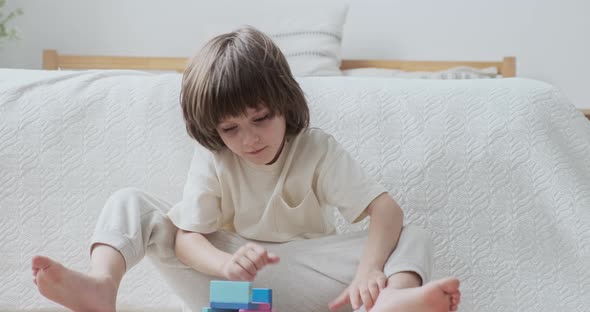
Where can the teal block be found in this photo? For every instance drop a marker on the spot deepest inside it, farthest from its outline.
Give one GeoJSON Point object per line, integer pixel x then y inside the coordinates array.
{"type": "Point", "coordinates": [229, 291]}
{"type": "Point", "coordinates": [262, 295]}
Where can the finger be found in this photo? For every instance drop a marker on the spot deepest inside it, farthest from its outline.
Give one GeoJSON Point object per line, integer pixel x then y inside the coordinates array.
{"type": "Point", "coordinates": [247, 266]}
{"type": "Point", "coordinates": [340, 301]}
{"type": "Point", "coordinates": [456, 298]}
{"type": "Point", "coordinates": [241, 252]}
{"type": "Point", "coordinates": [256, 259]}
{"type": "Point", "coordinates": [382, 283]}
{"type": "Point", "coordinates": [366, 298]}
{"type": "Point", "coordinates": [258, 249]}
{"type": "Point", "coordinates": [273, 258]}
{"type": "Point", "coordinates": [243, 275]}
{"type": "Point", "coordinates": [237, 273]}
{"type": "Point", "coordinates": [268, 257]}
{"type": "Point", "coordinates": [355, 298]}
{"type": "Point", "coordinates": [374, 292]}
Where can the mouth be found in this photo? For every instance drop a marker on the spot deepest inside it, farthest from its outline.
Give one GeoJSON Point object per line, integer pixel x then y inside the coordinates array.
{"type": "Point", "coordinates": [256, 152]}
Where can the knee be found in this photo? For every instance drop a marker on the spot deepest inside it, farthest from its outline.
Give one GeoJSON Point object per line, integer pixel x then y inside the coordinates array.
{"type": "Point", "coordinates": [125, 195]}
{"type": "Point", "coordinates": [127, 192]}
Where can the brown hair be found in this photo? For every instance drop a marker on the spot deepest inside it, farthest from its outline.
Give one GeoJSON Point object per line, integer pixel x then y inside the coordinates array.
{"type": "Point", "coordinates": [235, 71]}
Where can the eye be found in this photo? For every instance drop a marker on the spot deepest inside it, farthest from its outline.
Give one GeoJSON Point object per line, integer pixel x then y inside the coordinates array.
{"type": "Point", "coordinates": [229, 129]}
{"type": "Point", "coordinates": [262, 118]}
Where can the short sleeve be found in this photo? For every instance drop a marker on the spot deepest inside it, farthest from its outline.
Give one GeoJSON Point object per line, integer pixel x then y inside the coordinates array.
{"type": "Point", "coordinates": [344, 184]}
{"type": "Point", "coordinates": [200, 207]}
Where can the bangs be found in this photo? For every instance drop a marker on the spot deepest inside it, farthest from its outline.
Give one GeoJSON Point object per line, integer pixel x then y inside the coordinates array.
{"type": "Point", "coordinates": [235, 89]}
{"type": "Point", "coordinates": [239, 83]}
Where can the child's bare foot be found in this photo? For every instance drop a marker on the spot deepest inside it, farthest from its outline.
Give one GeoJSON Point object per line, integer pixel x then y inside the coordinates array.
{"type": "Point", "coordinates": [74, 290]}
{"type": "Point", "coordinates": [438, 296]}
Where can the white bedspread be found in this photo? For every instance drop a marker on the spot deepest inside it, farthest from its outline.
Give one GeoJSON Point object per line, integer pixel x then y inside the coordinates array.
{"type": "Point", "coordinates": [497, 170]}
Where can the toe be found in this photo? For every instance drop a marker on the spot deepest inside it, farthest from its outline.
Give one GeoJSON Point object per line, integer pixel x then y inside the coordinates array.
{"type": "Point", "coordinates": [40, 262]}
{"type": "Point", "coordinates": [449, 285]}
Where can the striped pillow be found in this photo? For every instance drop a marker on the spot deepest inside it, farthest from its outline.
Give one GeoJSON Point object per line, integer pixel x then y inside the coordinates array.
{"type": "Point", "coordinates": [308, 33]}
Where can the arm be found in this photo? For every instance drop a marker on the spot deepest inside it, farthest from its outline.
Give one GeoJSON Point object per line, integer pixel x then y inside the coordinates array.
{"type": "Point", "coordinates": [386, 219]}
{"type": "Point", "coordinates": [384, 231]}
{"type": "Point", "coordinates": [343, 183]}
{"type": "Point", "coordinates": [194, 250]}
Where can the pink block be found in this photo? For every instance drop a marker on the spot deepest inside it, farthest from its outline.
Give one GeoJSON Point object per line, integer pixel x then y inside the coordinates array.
{"type": "Point", "coordinates": [263, 307]}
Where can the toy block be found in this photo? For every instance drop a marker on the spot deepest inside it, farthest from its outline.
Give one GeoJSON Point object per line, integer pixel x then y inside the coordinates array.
{"type": "Point", "coordinates": [241, 306]}
{"type": "Point", "coordinates": [263, 306]}
{"type": "Point", "coordinates": [259, 310]}
{"type": "Point", "coordinates": [262, 295]}
{"type": "Point", "coordinates": [208, 309]}
{"type": "Point", "coordinates": [229, 292]}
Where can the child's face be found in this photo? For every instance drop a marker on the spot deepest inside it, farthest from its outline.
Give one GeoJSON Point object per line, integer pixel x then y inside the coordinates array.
{"type": "Point", "coordinates": [256, 137]}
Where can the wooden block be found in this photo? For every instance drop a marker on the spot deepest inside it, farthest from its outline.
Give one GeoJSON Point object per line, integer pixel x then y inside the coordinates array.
{"type": "Point", "coordinates": [208, 309]}
{"type": "Point", "coordinates": [241, 306]}
{"type": "Point", "coordinates": [229, 292]}
{"type": "Point", "coordinates": [262, 295]}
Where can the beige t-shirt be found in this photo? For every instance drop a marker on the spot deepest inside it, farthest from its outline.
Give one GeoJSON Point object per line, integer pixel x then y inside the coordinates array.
{"type": "Point", "coordinates": [284, 201]}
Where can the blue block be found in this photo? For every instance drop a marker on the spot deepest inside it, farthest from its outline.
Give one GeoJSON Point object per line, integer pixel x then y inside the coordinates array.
{"type": "Point", "coordinates": [262, 295]}
{"type": "Point", "coordinates": [208, 309]}
{"type": "Point", "coordinates": [229, 292]}
{"type": "Point", "coordinates": [234, 306]}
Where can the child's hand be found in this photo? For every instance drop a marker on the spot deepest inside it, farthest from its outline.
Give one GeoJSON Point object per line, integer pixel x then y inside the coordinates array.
{"type": "Point", "coordinates": [363, 290]}
{"type": "Point", "coordinates": [247, 261]}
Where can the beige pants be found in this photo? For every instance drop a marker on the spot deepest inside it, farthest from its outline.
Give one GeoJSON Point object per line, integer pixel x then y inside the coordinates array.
{"type": "Point", "coordinates": [310, 274]}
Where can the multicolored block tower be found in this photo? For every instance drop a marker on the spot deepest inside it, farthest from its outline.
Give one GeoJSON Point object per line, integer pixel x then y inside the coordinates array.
{"type": "Point", "coordinates": [230, 296]}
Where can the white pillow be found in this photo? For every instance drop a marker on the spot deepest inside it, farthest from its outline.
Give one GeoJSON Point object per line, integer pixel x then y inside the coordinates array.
{"type": "Point", "coordinates": [461, 72]}
{"type": "Point", "coordinates": [308, 33]}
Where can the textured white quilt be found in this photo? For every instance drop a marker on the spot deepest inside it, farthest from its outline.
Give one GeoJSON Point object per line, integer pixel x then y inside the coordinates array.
{"type": "Point", "coordinates": [497, 170]}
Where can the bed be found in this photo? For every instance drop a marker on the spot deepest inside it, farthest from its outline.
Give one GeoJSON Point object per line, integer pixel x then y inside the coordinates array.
{"type": "Point", "coordinates": [497, 169]}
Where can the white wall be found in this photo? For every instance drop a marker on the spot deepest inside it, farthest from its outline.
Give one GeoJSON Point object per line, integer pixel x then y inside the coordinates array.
{"type": "Point", "coordinates": [550, 38]}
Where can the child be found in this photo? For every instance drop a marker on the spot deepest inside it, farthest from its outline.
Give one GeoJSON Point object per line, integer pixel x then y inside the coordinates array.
{"type": "Point", "coordinates": [261, 190]}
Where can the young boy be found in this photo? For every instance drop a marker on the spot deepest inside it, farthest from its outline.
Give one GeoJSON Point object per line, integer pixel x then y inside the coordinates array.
{"type": "Point", "coordinates": [257, 197]}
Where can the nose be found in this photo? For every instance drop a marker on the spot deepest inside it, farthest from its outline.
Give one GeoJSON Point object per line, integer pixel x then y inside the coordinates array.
{"type": "Point", "coordinates": [250, 137]}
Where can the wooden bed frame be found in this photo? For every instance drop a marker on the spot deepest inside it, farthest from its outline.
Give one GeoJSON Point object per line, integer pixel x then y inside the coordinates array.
{"type": "Point", "coordinates": [52, 60]}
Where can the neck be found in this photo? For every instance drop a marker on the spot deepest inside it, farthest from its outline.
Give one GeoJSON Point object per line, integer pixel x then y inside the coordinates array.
{"type": "Point", "coordinates": [278, 153]}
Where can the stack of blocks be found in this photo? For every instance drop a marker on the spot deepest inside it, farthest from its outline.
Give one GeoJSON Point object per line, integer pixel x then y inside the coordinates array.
{"type": "Point", "coordinates": [228, 296]}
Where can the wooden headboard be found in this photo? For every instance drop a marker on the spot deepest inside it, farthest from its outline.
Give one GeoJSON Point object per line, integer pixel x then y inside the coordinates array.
{"type": "Point", "coordinates": [52, 60]}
